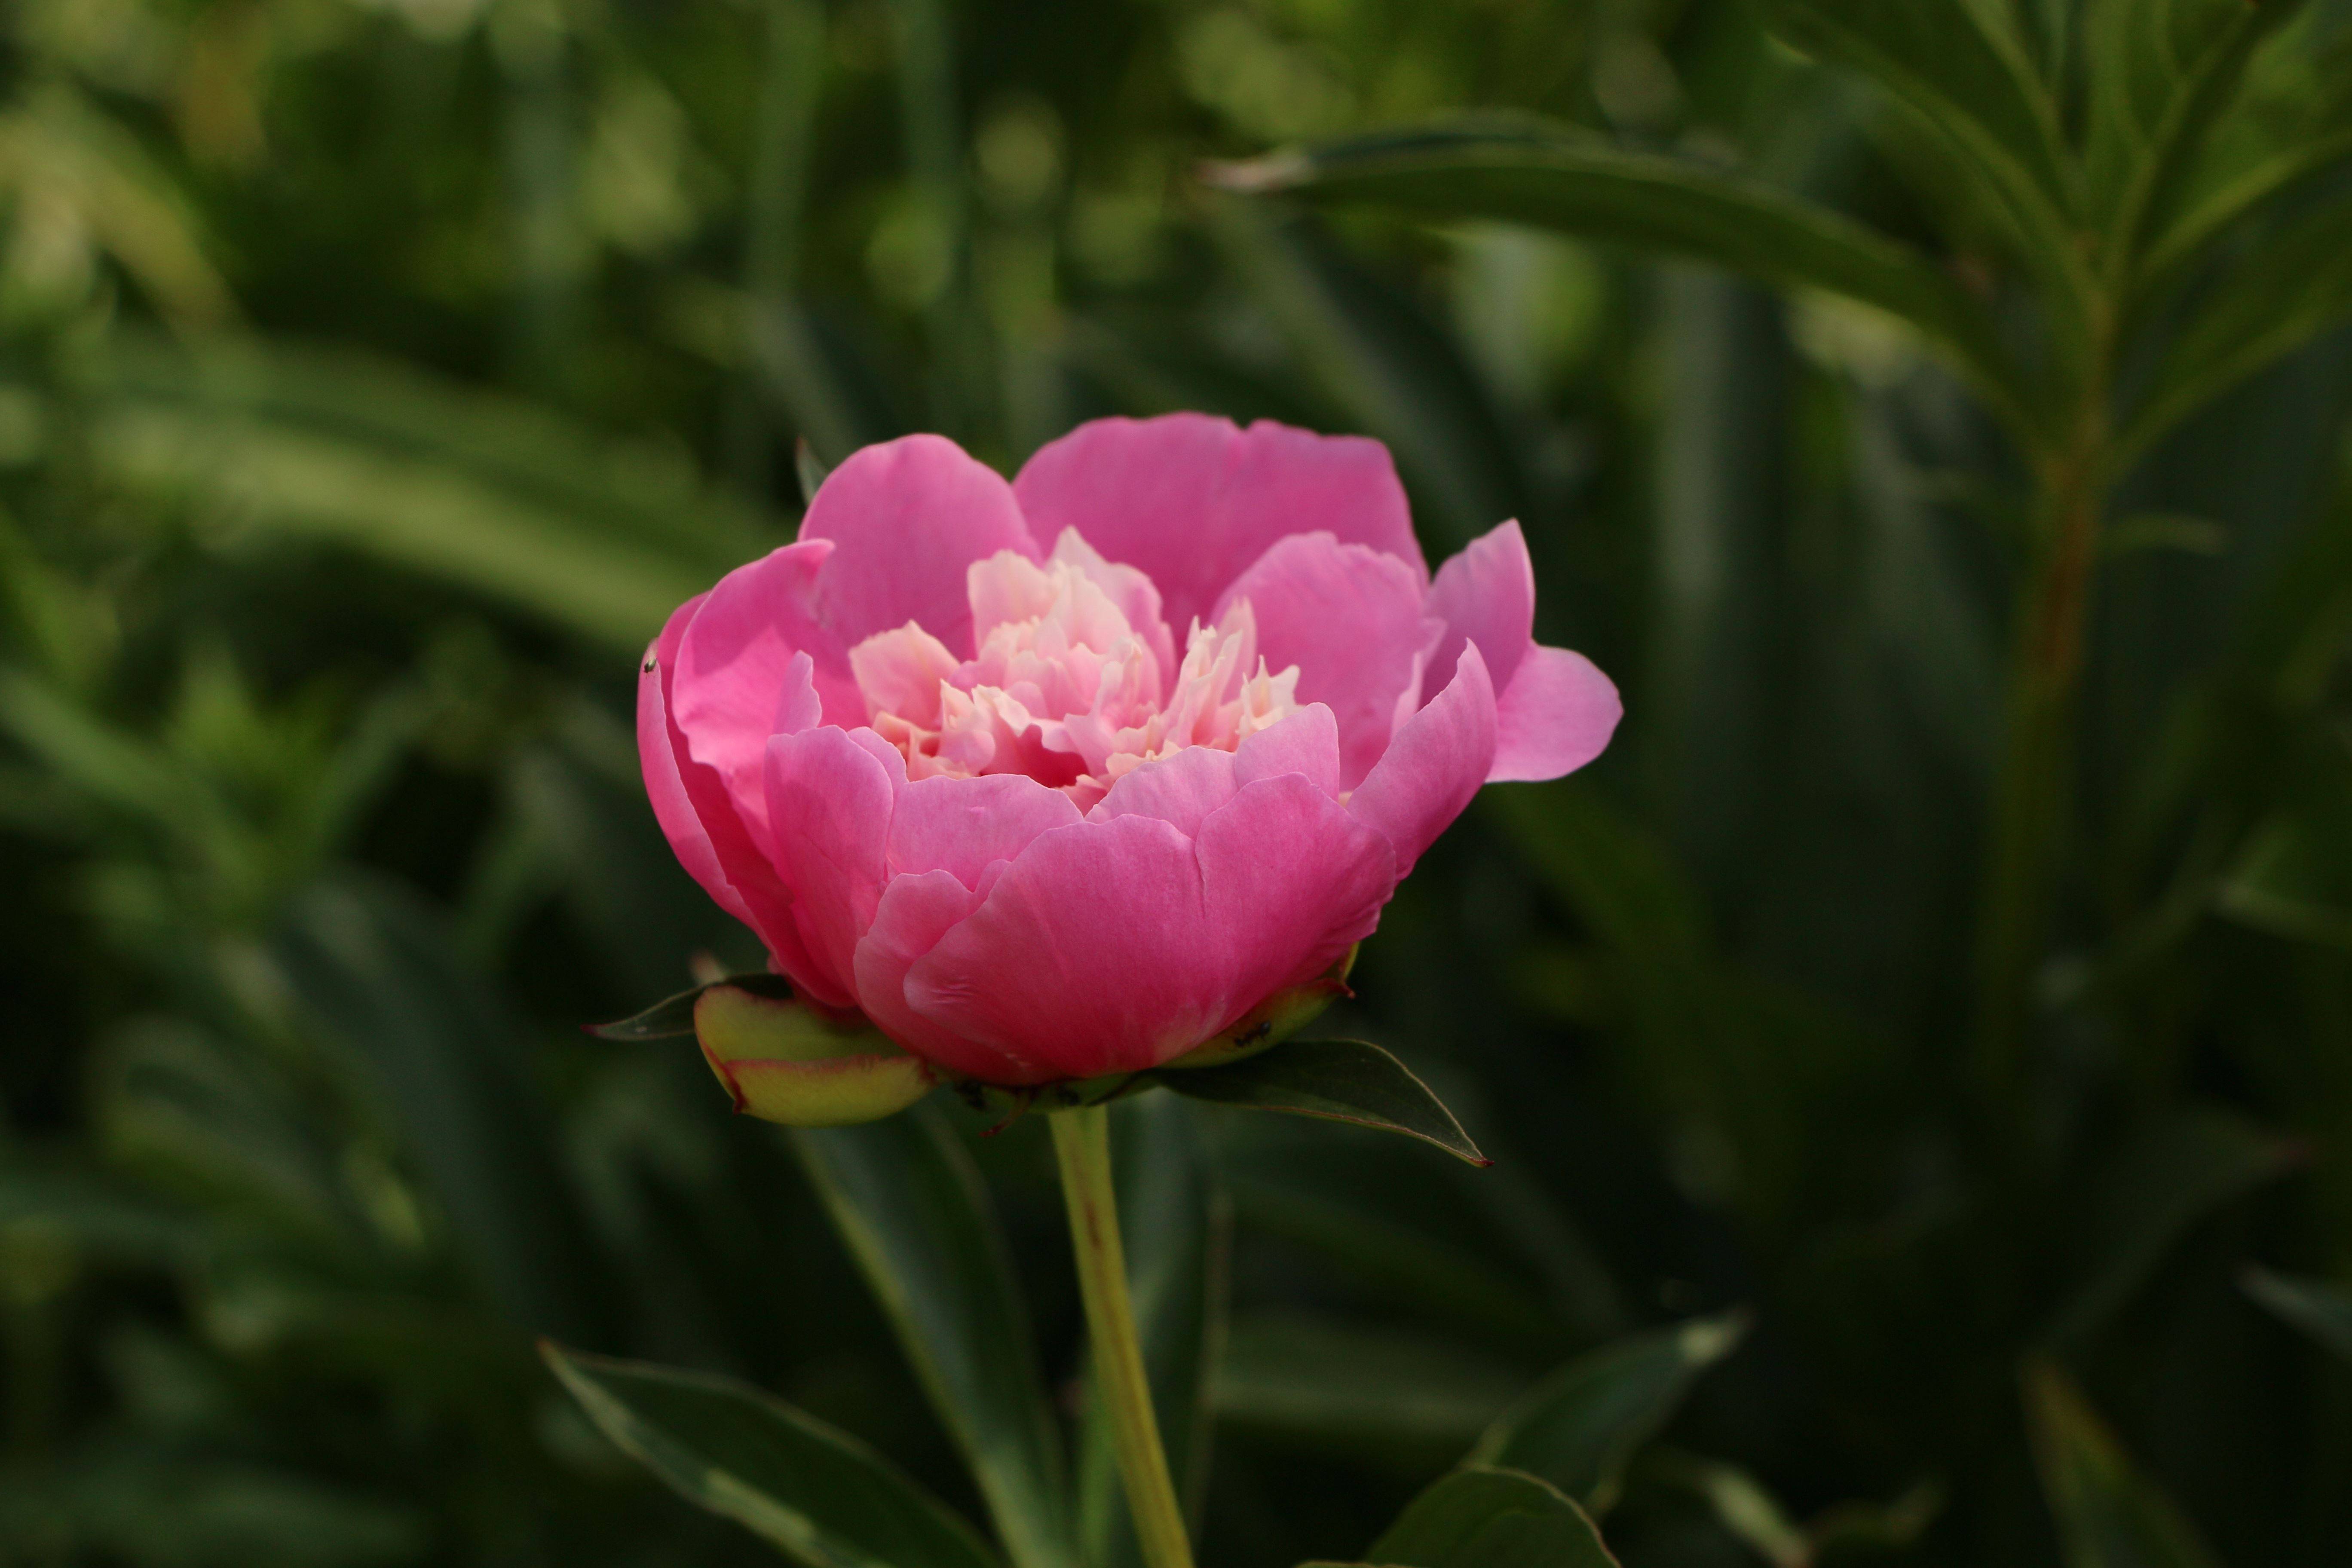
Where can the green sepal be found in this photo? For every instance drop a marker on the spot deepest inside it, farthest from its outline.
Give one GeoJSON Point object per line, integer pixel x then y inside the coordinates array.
{"type": "Point", "coordinates": [673, 1016]}
{"type": "Point", "coordinates": [784, 1062]}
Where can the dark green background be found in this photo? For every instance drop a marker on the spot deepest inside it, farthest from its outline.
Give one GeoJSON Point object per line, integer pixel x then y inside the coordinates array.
{"type": "Point", "coordinates": [374, 377]}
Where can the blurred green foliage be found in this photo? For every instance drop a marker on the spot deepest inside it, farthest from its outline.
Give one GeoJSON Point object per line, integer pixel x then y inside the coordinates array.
{"type": "Point", "coordinates": [374, 374]}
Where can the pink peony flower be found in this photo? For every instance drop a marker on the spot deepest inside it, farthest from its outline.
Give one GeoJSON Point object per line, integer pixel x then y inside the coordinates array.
{"type": "Point", "coordinates": [1064, 777]}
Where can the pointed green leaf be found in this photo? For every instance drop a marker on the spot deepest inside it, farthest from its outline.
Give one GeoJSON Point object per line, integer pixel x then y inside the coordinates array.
{"type": "Point", "coordinates": [1338, 1080]}
{"type": "Point", "coordinates": [1555, 179]}
{"type": "Point", "coordinates": [674, 1016]}
{"type": "Point", "coordinates": [2163, 1182]}
{"type": "Point", "coordinates": [912, 1207]}
{"type": "Point", "coordinates": [1177, 1222]}
{"type": "Point", "coordinates": [819, 1494]}
{"type": "Point", "coordinates": [1481, 1516]}
{"type": "Point", "coordinates": [1580, 1427]}
{"type": "Point", "coordinates": [2109, 1516]}
{"type": "Point", "coordinates": [2323, 1312]}
{"type": "Point", "coordinates": [1355, 1389]}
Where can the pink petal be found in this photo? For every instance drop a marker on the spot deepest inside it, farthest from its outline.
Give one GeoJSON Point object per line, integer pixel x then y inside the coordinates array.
{"type": "Point", "coordinates": [1307, 743]}
{"type": "Point", "coordinates": [1292, 881]}
{"type": "Point", "coordinates": [1440, 757]}
{"type": "Point", "coordinates": [907, 517]}
{"type": "Point", "coordinates": [729, 686]}
{"type": "Point", "coordinates": [1178, 790]}
{"type": "Point", "coordinates": [700, 822]}
{"type": "Point", "coordinates": [1486, 594]}
{"type": "Point", "coordinates": [962, 825]}
{"type": "Point", "coordinates": [1085, 958]}
{"type": "Point", "coordinates": [1556, 715]}
{"type": "Point", "coordinates": [1116, 945]}
{"type": "Point", "coordinates": [915, 911]}
{"type": "Point", "coordinates": [1350, 618]}
{"type": "Point", "coordinates": [829, 807]}
{"type": "Point", "coordinates": [1193, 501]}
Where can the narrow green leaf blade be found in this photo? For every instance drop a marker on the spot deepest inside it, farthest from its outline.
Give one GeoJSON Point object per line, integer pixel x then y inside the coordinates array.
{"type": "Point", "coordinates": [2108, 1515]}
{"type": "Point", "coordinates": [2163, 1182]}
{"type": "Point", "coordinates": [2323, 1312]}
{"type": "Point", "coordinates": [1552, 179]}
{"type": "Point", "coordinates": [1481, 1516]}
{"type": "Point", "coordinates": [1177, 1222]}
{"type": "Point", "coordinates": [1356, 1390]}
{"type": "Point", "coordinates": [1338, 1080]}
{"type": "Point", "coordinates": [911, 1205]}
{"type": "Point", "coordinates": [674, 1016]}
{"type": "Point", "coordinates": [1580, 1427]}
{"type": "Point", "coordinates": [819, 1494]}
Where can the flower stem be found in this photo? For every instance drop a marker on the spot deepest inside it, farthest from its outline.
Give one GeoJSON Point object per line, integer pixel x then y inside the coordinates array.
{"type": "Point", "coordinates": [1082, 1142]}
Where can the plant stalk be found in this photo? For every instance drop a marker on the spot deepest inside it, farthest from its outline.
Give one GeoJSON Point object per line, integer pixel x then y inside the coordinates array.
{"type": "Point", "coordinates": [2037, 769]}
{"type": "Point", "coordinates": [1082, 1143]}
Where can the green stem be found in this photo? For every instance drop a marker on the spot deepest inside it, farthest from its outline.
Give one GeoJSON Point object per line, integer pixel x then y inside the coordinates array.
{"type": "Point", "coordinates": [1082, 1142]}
{"type": "Point", "coordinates": [2030, 803]}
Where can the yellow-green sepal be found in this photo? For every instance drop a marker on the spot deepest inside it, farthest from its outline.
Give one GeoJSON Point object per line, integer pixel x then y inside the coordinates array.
{"type": "Point", "coordinates": [1272, 1021]}
{"type": "Point", "coordinates": [782, 1062]}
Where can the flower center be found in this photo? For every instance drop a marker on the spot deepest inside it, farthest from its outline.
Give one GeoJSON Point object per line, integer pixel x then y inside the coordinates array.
{"type": "Point", "coordinates": [1070, 684]}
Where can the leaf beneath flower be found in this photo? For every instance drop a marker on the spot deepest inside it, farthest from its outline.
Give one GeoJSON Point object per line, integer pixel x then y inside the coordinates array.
{"type": "Point", "coordinates": [1338, 1080]}
{"type": "Point", "coordinates": [674, 1016]}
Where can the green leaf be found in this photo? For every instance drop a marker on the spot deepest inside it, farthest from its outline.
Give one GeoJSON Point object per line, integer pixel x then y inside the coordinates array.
{"type": "Point", "coordinates": [377, 974]}
{"type": "Point", "coordinates": [1359, 1390]}
{"type": "Point", "coordinates": [2323, 1312]}
{"type": "Point", "coordinates": [1177, 1222]}
{"type": "Point", "coordinates": [2109, 1516]}
{"type": "Point", "coordinates": [1338, 1080]}
{"type": "Point", "coordinates": [1581, 1426]}
{"type": "Point", "coordinates": [2291, 290]}
{"type": "Point", "coordinates": [2161, 71]}
{"type": "Point", "coordinates": [674, 1016]}
{"type": "Point", "coordinates": [822, 1496]}
{"type": "Point", "coordinates": [2173, 1174]}
{"type": "Point", "coordinates": [910, 1204]}
{"type": "Point", "coordinates": [1486, 1517]}
{"type": "Point", "coordinates": [1553, 179]}
{"type": "Point", "coordinates": [1965, 77]}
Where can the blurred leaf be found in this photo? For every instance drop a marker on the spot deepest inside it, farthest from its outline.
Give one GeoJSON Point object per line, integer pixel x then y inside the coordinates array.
{"type": "Point", "coordinates": [1483, 1518]}
{"type": "Point", "coordinates": [1581, 1426]}
{"type": "Point", "coordinates": [2165, 531]}
{"type": "Point", "coordinates": [822, 1497]}
{"type": "Point", "coordinates": [1338, 1080]}
{"type": "Point", "coordinates": [1553, 180]}
{"type": "Point", "coordinates": [2171, 1175]}
{"type": "Point", "coordinates": [2108, 1515]}
{"type": "Point", "coordinates": [1356, 1389]}
{"type": "Point", "coordinates": [2160, 72]}
{"type": "Point", "coordinates": [378, 974]}
{"type": "Point", "coordinates": [162, 1513]}
{"type": "Point", "coordinates": [96, 1216]}
{"type": "Point", "coordinates": [1741, 1504]}
{"type": "Point", "coordinates": [2291, 290]}
{"type": "Point", "coordinates": [808, 469]}
{"type": "Point", "coordinates": [1962, 72]}
{"type": "Point", "coordinates": [2293, 877]}
{"type": "Point", "coordinates": [913, 1211]}
{"type": "Point", "coordinates": [1177, 1222]}
{"type": "Point", "coordinates": [2323, 1312]}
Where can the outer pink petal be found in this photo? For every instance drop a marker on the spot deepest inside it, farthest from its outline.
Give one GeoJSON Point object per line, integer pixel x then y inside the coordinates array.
{"type": "Point", "coordinates": [1307, 742]}
{"type": "Point", "coordinates": [1556, 715]}
{"type": "Point", "coordinates": [1350, 618]}
{"type": "Point", "coordinates": [915, 911]}
{"type": "Point", "coordinates": [1178, 790]}
{"type": "Point", "coordinates": [732, 685]}
{"type": "Point", "coordinates": [962, 825]}
{"type": "Point", "coordinates": [1193, 501]}
{"type": "Point", "coordinates": [829, 807]}
{"type": "Point", "coordinates": [907, 517]}
{"type": "Point", "coordinates": [699, 820]}
{"type": "Point", "coordinates": [1087, 956]}
{"type": "Point", "coordinates": [1292, 881]}
{"type": "Point", "coordinates": [1486, 594]}
{"type": "Point", "coordinates": [1439, 759]}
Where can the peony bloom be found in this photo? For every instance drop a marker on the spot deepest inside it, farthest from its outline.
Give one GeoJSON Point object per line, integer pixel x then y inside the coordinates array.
{"type": "Point", "coordinates": [1065, 777]}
